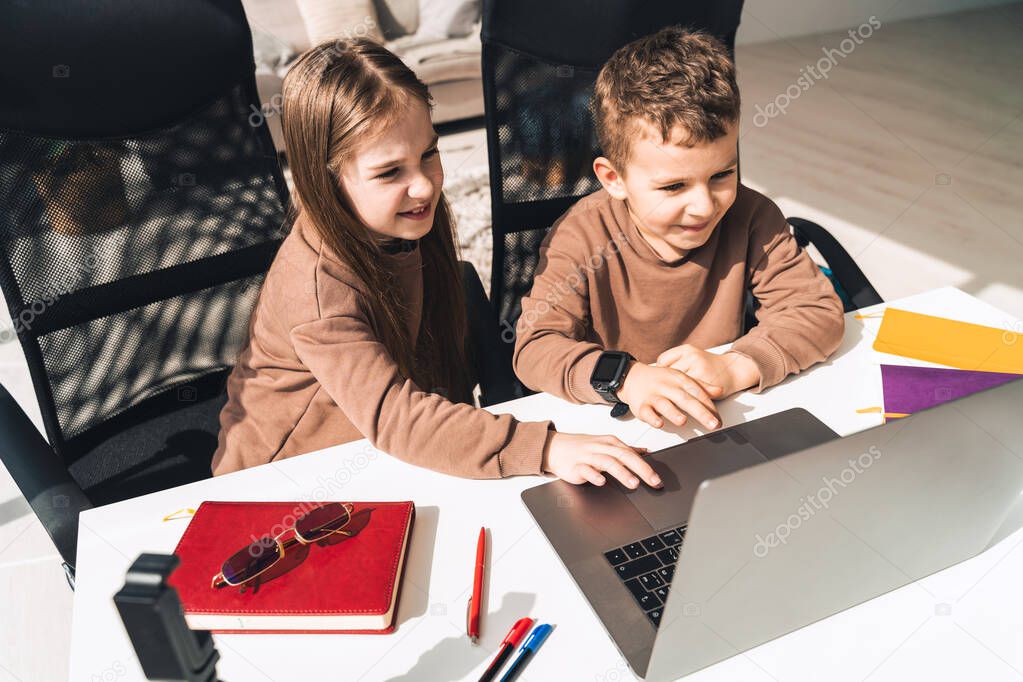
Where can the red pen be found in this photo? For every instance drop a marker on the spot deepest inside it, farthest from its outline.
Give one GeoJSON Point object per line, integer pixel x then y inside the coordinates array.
{"type": "Point", "coordinates": [473, 615]}
{"type": "Point", "coordinates": [511, 640]}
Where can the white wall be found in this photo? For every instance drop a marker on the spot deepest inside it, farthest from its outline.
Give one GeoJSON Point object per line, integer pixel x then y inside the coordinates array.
{"type": "Point", "coordinates": [766, 20]}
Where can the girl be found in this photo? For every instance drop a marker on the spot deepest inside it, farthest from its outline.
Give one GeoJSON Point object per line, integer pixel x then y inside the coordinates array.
{"type": "Point", "coordinates": [360, 329]}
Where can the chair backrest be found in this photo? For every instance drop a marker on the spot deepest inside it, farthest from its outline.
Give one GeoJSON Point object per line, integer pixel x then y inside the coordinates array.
{"type": "Point", "coordinates": [540, 60]}
{"type": "Point", "coordinates": [141, 199]}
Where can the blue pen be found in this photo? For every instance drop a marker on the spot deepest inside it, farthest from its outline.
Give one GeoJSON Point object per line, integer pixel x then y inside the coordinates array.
{"type": "Point", "coordinates": [533, 642]}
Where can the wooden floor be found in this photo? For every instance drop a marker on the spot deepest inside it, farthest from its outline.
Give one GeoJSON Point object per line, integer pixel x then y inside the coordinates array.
{"type": "Point", "coordinates": [909, 152]}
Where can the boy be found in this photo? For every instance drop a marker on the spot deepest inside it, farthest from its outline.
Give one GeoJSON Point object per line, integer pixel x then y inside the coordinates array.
{"type": "Point", "coordinates": [635, 280]}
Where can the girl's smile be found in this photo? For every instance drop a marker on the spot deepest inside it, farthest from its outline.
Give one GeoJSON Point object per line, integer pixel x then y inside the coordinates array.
{"type": "Point", "coordinates": [420, 213]}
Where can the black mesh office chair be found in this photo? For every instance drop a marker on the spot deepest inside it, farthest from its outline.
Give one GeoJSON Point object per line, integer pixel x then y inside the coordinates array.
{"type": "Point", "coordinates": [540, 60]}
{"type": "Point", "coordinates": [140, 206]}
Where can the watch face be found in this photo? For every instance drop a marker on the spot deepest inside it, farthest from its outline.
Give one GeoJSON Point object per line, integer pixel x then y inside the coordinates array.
{"type": "Point", "coordinates": [605, 369]}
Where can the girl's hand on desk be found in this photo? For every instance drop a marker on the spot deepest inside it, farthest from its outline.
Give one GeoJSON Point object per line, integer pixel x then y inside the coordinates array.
{"type": "Point", "coordinates": [579, 458]}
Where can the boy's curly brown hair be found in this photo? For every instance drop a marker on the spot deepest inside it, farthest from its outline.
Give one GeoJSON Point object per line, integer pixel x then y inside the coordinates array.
{"type": "Point", "coordinates": [675, 77]}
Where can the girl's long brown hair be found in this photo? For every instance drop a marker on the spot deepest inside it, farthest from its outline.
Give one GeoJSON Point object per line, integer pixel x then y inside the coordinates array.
{"type": "Point", "coordinates": [337, 94]}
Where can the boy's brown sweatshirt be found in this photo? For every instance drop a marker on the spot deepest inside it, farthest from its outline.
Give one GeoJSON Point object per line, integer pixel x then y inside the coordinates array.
{"type": "Point", "coordinates": [314, 374]}
{"type": "Point", "coordinates": [600, 286]}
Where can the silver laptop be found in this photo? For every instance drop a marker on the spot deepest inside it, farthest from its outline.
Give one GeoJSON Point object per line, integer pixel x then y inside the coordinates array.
{"type": "Point", "coordinates": [776, 523]}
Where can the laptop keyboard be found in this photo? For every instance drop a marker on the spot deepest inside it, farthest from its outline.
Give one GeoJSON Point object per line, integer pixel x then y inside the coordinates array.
{"type": "Point", "coordinates": [647, 567]}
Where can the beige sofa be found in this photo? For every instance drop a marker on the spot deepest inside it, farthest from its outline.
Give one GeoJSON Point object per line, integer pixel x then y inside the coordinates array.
{"type": "Point", "coordinates": [449, 66]}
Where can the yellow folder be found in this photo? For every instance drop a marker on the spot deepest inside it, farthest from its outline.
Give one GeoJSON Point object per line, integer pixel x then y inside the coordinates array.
{"type": "Point", "coordinates": [949, 342]}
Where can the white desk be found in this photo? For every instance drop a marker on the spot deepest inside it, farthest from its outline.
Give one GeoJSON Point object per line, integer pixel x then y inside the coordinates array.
{"type": "Point", "coordinates": [963, 623]}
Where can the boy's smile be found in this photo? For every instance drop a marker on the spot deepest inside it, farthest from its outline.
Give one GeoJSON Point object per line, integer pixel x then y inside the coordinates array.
{"type": "Point", "coordinates": [675, 193]}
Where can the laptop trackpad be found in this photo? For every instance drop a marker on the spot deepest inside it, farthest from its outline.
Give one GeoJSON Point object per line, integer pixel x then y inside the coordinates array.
{"type": "Point", "coordinates": [683, 468]}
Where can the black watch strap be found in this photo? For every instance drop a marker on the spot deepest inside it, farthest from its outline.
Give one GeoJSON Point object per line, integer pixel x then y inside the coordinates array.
{"type": "Point", "coordinates": [609, 373]}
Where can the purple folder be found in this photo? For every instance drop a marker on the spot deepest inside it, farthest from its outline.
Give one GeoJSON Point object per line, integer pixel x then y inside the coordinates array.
{"type": "Point", "coordinates": [911, 389]}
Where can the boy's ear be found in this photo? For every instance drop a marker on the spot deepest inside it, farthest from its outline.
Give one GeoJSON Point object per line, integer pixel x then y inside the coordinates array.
{"type": "Point", "coordinates": [609, 177]}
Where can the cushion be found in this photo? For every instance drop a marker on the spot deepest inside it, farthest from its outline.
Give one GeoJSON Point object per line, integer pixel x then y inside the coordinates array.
{"type": "Point", "coordinates": [447, 18]}
{"type": "Point", "coordinates": [331, 19]}
{"type": "Point", "coordinates": [437, 61]}
{"type": "Point", "coordinates": [397, 17]}
{"type": "Point", "coordinates": [280, 19]}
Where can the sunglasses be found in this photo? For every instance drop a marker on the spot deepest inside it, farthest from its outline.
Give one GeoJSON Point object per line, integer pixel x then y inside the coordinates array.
{"type": "Point", "coordinates": [260, 556]}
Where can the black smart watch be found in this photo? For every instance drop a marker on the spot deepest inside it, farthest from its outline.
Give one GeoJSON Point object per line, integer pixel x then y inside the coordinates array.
{"type": "Point", "coordinates": [607, 377]}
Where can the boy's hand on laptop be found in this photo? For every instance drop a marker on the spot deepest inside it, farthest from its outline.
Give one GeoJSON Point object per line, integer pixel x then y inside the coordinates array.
{"type": "Point", "coordinates": [657, 393]}
{"type": "Point", "coordinates": [730, 372]}
{"type": "Point", "coordinates": [580, 458]}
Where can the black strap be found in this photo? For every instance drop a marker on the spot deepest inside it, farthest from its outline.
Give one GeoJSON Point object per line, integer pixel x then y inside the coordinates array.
{"type": "Point", "coordinates": [398, 245]}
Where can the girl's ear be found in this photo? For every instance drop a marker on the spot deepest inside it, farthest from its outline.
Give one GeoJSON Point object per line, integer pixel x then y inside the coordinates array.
{"type": "Point", "coordinates": [345, 182]}
{"type": "Point", "coordinates": [609, 177]}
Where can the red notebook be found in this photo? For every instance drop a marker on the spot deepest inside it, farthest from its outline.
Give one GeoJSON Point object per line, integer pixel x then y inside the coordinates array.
{"type": "Point", "coordinates": [351, 584]}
